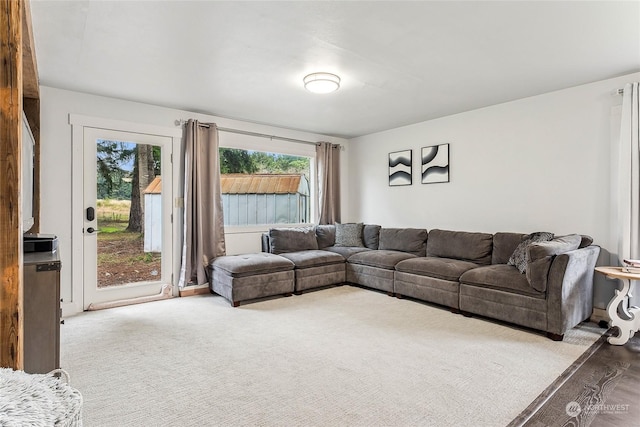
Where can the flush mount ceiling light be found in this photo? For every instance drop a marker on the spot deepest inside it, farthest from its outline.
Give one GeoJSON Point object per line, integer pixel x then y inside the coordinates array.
{"type": "Point", "coordinates": [321, 82]}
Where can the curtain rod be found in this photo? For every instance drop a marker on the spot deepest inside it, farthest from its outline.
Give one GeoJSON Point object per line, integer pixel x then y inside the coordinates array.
{"type": "Point", "coordinates": [181, 122]}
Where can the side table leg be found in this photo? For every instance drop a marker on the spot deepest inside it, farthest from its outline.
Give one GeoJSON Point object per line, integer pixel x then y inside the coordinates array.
{"type": "Point", "coordinates": [626, 327]}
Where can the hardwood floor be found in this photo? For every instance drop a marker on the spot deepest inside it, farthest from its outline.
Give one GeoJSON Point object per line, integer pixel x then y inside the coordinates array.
{"type": "Point", "coordinates": [602, 388]}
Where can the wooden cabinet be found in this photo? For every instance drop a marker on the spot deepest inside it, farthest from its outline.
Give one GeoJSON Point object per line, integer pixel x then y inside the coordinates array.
{"type": "Point", "coordinates": [41, 312]}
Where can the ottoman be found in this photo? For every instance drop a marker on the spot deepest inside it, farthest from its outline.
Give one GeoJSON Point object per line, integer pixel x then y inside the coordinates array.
{"type": "Point", "coordinates": [245, 277]}
{"type": "Point", "coordinates": [316, 268]}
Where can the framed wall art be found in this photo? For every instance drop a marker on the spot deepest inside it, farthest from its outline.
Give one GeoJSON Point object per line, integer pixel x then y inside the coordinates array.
{"type": "Point", "coordinates": [435, 164]}
{"type": "Point", "coordinates": [400, 163]}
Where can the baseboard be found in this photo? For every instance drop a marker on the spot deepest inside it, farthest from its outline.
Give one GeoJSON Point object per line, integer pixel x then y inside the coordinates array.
{"type": "Point", "coordinates": [194, 290]}
{"type": "Point", "coordinates": [598, 315]}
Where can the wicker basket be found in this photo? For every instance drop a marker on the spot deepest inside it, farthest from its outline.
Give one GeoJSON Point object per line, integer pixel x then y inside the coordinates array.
{"type": "Point", "coordinates": [38, 399]}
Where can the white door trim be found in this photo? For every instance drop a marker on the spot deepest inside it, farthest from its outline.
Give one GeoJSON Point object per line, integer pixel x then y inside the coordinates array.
{"type": "Point", "coordinates": [78, 123]}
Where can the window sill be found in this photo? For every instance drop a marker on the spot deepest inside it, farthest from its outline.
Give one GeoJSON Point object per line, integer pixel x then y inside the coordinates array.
{"type": "Point", "coordinates": [246, 229]}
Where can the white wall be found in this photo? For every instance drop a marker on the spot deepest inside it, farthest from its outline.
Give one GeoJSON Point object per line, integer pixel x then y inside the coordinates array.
{"type": "Point", "coordinates": [56, 163]}
{"type": "Point", "coordinates": [535, 164]}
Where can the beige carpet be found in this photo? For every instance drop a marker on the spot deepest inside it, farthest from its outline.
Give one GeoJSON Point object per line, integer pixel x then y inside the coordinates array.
{"type": "Point", "coordinates": [337, 357]}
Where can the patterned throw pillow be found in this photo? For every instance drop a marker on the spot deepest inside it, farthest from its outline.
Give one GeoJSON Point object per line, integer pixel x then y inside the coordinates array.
{"type": "Point", "coordinates": [349, 235]}
{"type": "Point", "coordinates": [519, 256]}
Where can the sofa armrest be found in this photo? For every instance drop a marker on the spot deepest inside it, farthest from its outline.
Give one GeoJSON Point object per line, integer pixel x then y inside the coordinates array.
{"type": "Point", "coordinates": [570, 289]}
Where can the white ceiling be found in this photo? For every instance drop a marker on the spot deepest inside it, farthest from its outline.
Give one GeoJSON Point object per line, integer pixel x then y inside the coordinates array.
{"type": "Point", "coordinates": [400, 62]}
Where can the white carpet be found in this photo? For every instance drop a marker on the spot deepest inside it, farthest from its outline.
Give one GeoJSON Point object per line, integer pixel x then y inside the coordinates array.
{"type": "Point", "coordinates": [337, 357]}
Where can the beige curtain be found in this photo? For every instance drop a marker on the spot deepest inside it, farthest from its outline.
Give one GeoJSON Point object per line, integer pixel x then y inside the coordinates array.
{"type": "Point", "coordinates": [328, 172]}
{"type": "Point", "coordinates": [203, 217]}
{"type": "Point", "coordinates": [628, 221]}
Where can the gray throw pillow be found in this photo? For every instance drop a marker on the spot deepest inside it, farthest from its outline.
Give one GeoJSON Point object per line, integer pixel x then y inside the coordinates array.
{"type": "Point", "coordinates": [349, 235]}
{"type": "Point", "coordinates": [554, 247]}
{"type": "Point", "coordinates": [519, 258]}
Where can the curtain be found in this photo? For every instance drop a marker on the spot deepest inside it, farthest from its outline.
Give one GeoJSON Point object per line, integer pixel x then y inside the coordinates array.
{"type": "Point", "coordinates": [328, 173]}
{"type": "Point", "coordinates": [203, 213]}
{"type": "Point", "coordinates": [629, 176]}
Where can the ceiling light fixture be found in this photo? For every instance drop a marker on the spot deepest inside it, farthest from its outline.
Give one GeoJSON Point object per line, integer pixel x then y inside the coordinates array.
{"type": "Point", "coordinates": [321, 82]}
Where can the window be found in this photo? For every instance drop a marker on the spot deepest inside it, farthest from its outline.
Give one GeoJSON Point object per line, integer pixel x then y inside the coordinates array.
{"type": "Point", "coordinates": [262, 188]}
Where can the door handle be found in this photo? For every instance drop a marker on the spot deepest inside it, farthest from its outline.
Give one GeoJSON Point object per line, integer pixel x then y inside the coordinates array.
{"type": "Point", "coordinates": [91, 214]}
{"type": "Point", "coordinates": [91, 230]}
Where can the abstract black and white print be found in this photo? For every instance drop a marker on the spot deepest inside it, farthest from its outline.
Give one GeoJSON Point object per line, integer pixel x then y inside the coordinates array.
{"type": "Point", "coordinates": [435, 164]}
{"type": "Point", "coordinates": [400, 168]}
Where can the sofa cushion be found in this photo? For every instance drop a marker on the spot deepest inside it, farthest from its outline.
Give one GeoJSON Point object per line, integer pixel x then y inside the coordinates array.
{"type": "Point", "coordinates": [519, 256]}
{"type": "Point", "coordinates": [501, 277]}
{"type": "Point", "coordinates": [313, 258]}
{"type": "Point", "coordinates": [326, 235]}
{"type": "Point", "coordinates": [346, 252]}
{"type": "Point", "coordinates": [439, 268]}
{"type": "Point", "coordinates": [349, 235]}
{"type": "Point", "coordinates": [503, 246]}
{"type": "Point", "coordinates": [540, 256]}
{"type": "Point", "coordinates": [463, 245]}
{"type": "Point", "coordinates": [381, 258]}
{"type": "Point", "coordinates": [585, 241]}
{"type": "Point", "coordinates": [411, 240]}
{"type": "Point", "coordinates": [292, 239]}
{"type": "Point", "coordinates": [251, 264]}
{"type": "Point", "coordinates": [371, 236]}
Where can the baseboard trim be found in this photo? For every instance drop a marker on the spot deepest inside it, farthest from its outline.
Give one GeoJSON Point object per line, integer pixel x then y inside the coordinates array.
{"type": "Point", "coordinates": [598, 315]}
{"type": "Point", "coordinates": [194, 290]}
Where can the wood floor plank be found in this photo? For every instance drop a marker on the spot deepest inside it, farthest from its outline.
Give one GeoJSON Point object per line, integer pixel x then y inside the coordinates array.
{"type": "Point", "coordinates": [602, 388]}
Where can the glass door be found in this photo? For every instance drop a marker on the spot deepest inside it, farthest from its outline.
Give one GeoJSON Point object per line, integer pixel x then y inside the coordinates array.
{"type": "Point", "coordinates": [127, 215]}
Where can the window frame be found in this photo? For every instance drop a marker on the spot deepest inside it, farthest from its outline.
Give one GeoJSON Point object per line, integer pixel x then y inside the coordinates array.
{"type": "Point", "coordinates": [257, 143]}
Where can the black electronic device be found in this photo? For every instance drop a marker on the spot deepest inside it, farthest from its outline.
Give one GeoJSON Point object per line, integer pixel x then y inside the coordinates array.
{"type": "Point", "coordinates": [40, 243]}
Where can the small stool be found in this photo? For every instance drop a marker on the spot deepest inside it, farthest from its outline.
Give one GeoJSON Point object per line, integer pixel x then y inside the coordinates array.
{"type": "Point", "coordinates": [245, 277]}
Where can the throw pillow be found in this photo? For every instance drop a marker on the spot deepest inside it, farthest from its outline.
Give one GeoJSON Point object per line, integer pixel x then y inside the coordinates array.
{"type": "Point", "coordinates": [349, 235]}
{"type": "Point", "coordinates": [519, 258]}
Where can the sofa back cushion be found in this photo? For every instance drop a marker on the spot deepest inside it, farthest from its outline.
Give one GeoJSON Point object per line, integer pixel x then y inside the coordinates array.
{"type": "Point", "coordinates": [585, 241]}
{"type": "Point", "coordinates": [410, 240]}
{"type": "Point", "coordinates": [292, 239]}
{"type": "Point", "coordinates": [371, 236]}
{"type": "Point", "coordinates": [503, 246]}
{"type": "Point", "coordinates": [326, 235]}
{"type": "Point", "coordinates": [463, 245]}
{"type": "Point", "coordinates": [540, 256]}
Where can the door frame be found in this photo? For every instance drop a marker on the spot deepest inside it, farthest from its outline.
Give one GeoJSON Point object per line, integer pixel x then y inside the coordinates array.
{"type": "Point", "coordinates": [92, 294]}
{"type": "Point", "coordinates": [78, 124]}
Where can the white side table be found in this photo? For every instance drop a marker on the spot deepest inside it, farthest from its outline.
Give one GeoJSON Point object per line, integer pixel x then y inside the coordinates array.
{"type": "Point", "coordinates": [629, 326]}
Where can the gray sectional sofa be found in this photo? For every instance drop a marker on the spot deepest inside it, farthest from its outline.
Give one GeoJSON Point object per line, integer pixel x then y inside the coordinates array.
{"type": "Point", "coordinates": [539, 281]}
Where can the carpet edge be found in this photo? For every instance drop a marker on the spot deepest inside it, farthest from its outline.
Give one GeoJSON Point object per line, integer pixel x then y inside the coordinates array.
{"type": "Point", "coordinates": [543, 397]}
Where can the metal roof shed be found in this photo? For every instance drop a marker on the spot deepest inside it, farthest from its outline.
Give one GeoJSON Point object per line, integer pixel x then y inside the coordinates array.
{"type": "Point", "coordinates": [265, 199]}
{"type": "Point", "coordinates": [153, 216]}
